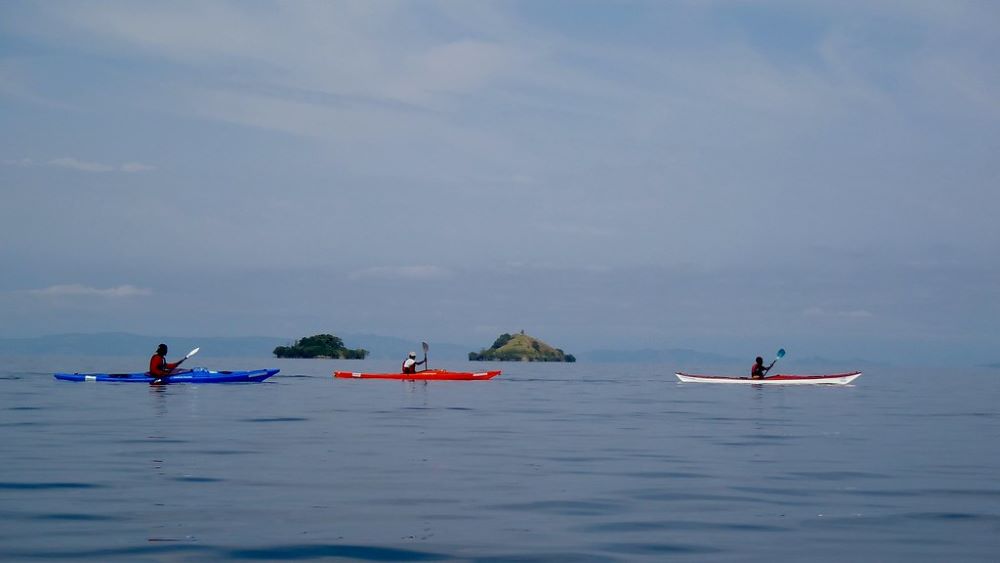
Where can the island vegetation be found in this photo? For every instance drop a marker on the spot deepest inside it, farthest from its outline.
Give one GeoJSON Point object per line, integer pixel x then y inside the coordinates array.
{"type": "Point", "coordinates": [320, 346]}
{"type": "Point", "coordinates": [520, 348]}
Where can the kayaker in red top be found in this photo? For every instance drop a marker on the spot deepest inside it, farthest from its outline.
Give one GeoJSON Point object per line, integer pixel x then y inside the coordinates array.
{"type": "Point", "coordinates": [758, 371]}
{"type": "Point", "coordinates": [410, 363]}
{"type": "Point", "coordinates": [158, 367]}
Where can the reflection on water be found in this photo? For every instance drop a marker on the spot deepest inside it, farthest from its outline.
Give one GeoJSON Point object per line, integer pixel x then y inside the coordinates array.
{"type": "Point", "coordinates": [546, 462]}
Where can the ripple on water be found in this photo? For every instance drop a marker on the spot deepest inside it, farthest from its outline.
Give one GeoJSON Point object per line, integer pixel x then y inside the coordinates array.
{"type": "Point", "coordinates": [46, 486]}
{"type": "Point", "coordinates": [558, 557]}
{"type": "Point", "coordinates": [665, 475]}
{"type": "Point", "coordinates": [562, 507]}
{"type": "Point", "coordinates": [154, 549]}
{"type": "Point", "coordinates": [688, 525]}
{"type": "Point", "coordinates": [656, 548]}
{"type": "Point", "coordinates": [321, 551]}
{"type": "Point", "coordinates": [836, 475]}
{"type": "Point", "coordinates": [193, 479]}
{"type": "Point", "coordinates": [898, 522]}
{"type": "Point", "coordinates": [76, 517]}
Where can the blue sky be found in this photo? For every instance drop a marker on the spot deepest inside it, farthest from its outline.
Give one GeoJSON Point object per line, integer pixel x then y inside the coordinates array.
{"type": "Point", "coordinates": [727, 176]}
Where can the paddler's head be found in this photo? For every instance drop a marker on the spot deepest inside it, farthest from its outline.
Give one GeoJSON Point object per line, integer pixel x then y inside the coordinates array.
{"type": "Point", "coordinates": [760, 361]}
{"type": "Point", "coordinates": [161, 349]}
{"type": "Point", "coordinates": [413, 354]}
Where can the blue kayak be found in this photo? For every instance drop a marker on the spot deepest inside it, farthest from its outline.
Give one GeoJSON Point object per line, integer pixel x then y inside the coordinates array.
{"type": "Point", "coordinates": [196, 375]}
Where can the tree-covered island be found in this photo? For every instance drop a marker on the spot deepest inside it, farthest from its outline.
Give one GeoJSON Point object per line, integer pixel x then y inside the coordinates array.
{"type": "Point", "coordinates": [520, 348]}
{"type": "Point", "coordinates": [320, 346]}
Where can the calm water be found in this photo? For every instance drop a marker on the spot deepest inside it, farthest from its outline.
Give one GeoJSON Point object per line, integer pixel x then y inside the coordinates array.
{"type": "Point", "coordinates": [547, 462]}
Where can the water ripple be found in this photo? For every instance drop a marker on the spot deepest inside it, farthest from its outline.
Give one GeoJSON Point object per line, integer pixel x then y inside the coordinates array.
{"type": "Point", "coordinates": [46, 486]}
{"type": "Point", "coordinates": [350, 552]}
{"type": "Point", "coordinates": [564, 507]}
{"type": "Point", "coordinates": [658, 548]}
{"type": "Point", "coordinates": [77, 517]}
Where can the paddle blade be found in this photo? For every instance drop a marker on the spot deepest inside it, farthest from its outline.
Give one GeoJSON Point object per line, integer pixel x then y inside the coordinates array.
{"type": "Point", "coordinates": [426, 347]}
{"type": "Point", "coordinates": [192, 352]}
{"type": "Point", "coordinates": [781, 353]}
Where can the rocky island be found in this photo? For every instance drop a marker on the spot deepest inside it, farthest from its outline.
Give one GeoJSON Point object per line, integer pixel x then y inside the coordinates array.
{"type": "Point", "coordinates": [320, 346]}
{"type": "Point", "coordinates": [520, 348]}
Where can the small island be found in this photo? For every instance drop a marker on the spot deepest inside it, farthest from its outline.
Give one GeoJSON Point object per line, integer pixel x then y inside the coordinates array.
{"type": "Point", "coordinates": [320, 346]}
{"type": "Point", "coordinates": [520, 348]}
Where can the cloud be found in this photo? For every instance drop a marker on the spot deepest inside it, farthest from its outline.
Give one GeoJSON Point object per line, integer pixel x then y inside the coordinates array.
{"type": "Point", "coordinates": [402, 273]}
{"type": "Point", "coordinates": [78, 290]}
{"type": "Point", "coordinates": [81, 165]}
{"type": "Point", "coordinates": [821, 312]}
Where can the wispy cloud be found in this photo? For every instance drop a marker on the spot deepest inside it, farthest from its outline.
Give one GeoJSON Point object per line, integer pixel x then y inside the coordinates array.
{"type": "Point", "coordinates": [402, 273]}
{"type": "Point", "coordinates": [79, 290]}
{"type": "Point", "coordinates": [74, 163]}
{"type": "Point", "coordinates": [81, 165]}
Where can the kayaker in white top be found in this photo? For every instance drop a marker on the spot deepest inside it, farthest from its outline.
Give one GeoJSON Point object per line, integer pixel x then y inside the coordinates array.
{"type": "Point", "coordinates": [410, 363]}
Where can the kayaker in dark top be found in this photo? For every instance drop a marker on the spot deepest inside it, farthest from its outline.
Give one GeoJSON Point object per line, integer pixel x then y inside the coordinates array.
{"type": "Point", "coordinates": [758, 371]}
{"type": "Point", "coordinates": [410, 363]}
{"type": "Point", "coordinates": [158, 366]}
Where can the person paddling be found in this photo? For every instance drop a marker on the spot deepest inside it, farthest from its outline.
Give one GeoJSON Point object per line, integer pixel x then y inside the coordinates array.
{"type": "Point", "coordinates": [758, 371]}
{"type": "Point", "coordinates": [410, 363]}
{"type": "Point", "coordinates": [159, 369]}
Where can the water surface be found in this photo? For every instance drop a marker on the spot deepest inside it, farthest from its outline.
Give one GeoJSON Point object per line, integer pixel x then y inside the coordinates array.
{"type": "Point", "coordinates": [548, 462]}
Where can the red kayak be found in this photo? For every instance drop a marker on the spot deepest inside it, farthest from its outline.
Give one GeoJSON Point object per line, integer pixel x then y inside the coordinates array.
{"type": "Point", "coordinates": [427, 374]}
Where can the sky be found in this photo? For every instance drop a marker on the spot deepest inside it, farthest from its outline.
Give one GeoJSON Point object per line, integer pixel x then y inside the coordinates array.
{"type": "Point", "coordinates": [726, 176]}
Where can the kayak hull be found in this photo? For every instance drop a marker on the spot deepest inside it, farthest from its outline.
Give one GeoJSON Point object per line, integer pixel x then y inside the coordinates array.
{"type": "Point", "coordinates": [781, 379]}
{"type": "Point", "coordinates": [426, 375]}
{"type": "Point", "coordinates": [197, 375]}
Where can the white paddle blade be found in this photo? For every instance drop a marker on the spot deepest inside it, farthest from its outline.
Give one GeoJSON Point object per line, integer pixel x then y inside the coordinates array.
{"type": "Point", "coordinates": [425, 346]}
{"type": "Point", "coordinates": [191, 353]}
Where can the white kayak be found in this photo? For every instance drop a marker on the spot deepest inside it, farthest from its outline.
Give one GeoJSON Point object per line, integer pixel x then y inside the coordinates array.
{"type": "Point", "coordinates": [781, 379]}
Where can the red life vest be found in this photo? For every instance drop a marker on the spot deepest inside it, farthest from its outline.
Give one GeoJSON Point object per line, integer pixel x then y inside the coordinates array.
{"type": "Point", "coordinates": [158, 366]}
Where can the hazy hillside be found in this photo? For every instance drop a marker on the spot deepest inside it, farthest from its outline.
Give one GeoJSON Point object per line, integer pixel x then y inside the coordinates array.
{"type": "Point", "coordinates": [126, 344]}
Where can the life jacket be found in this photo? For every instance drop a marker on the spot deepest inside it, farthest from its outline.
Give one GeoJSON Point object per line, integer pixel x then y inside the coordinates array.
{"type": "Point", "coordinates": [412, 368]}
{"type": "Point", "coordinates": [158, 366]}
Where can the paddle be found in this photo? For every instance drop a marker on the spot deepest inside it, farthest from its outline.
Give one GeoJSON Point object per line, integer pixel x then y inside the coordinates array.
{"type": "Point", "coordinates": [426, 347]}
{"type": "Point", "coordinates": [196, 350]}
{"type": "Point", "coordinates": [189, 354]}
{"type": "Point", "coordinates": [778, 356]}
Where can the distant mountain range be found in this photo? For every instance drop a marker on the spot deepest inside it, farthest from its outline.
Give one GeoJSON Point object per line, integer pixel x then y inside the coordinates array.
{"type": "Point", "coordinates": [127, 344]}
{"type": "Point", "coordinates": [379, 347]}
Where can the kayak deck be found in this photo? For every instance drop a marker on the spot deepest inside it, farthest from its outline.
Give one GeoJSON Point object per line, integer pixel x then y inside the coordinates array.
{"type": "Point", "coordinates": [427, 375]}
{"type": "Point", "coordinates": [780, 379]}
{"type": "Point", "coordinates": [197, 375]}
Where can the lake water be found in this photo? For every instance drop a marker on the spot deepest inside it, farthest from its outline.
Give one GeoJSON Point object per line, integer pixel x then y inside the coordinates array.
{"type": "Point", "coordinates": [548, 462]}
